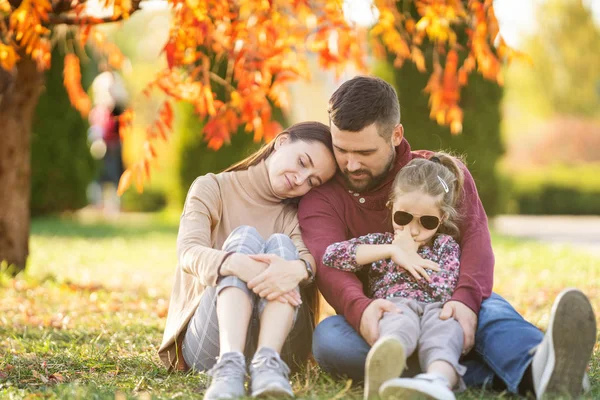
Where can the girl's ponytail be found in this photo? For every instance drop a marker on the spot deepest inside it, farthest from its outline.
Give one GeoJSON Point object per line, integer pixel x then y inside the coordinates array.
{"type": "Point", "coordinates": [451, 163]}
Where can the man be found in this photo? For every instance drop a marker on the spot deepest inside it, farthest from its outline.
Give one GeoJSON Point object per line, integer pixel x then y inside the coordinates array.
{"type": "Point", "coordinates": [370, 148]}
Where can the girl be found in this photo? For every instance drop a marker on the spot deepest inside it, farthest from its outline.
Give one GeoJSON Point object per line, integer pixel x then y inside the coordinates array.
{"type": "Point", "coordinates": [423, 201]}
{"type": "Point", "coordinates": [241, 261]}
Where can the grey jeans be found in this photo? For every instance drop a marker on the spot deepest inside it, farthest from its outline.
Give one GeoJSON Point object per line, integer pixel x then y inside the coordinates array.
{"type": "Point", "coordinates": [419, 325]}
{"type": "Point", "coordinates": [200, 346]}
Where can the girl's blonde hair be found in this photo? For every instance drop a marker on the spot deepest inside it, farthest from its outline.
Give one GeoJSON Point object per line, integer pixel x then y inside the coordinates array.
{"type": "Point", "coordinates": [438, 175]}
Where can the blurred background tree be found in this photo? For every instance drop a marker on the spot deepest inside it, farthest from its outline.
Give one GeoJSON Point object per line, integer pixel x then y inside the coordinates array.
{"type": "Point", "coordinates": [480, 143]}
{"type": "Point", "coordinates": [231, 60]}
{"type": "Point", "coordinates": [61, 164]}
{"type": "Point", "coordinates": [552, 114]}
{"type": "Point", "coordinates": [565, 72]}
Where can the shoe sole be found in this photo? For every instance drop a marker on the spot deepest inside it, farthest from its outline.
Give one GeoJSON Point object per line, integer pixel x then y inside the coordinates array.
{"type": "Point", "coordinates": [272, 392]}
{"type": "Point", "coordinates": [573, 327]}
{"type": "Point", "coordinates": [385, 361]}
{"type": "Point", "coordinates": [406, 391]}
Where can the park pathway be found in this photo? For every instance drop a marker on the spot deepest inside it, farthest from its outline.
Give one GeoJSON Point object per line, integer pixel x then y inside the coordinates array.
{"type": "Point", "coordinates": [580, 231]}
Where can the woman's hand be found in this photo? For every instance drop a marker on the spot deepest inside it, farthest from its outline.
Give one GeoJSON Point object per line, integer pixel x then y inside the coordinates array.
{"type": "Point", "coordinates": [413, 263]}
{"type": "Point", "coordinates": [281, 276]}
{"type": "Point", "coordinates": [243, 266]}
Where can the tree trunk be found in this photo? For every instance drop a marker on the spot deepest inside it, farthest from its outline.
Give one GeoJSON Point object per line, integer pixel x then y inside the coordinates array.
{"type": "Point", "coordinates": [19, 93]}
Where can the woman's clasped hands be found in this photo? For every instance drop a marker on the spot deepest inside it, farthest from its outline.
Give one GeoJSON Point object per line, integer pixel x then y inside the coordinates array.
{"type": "Point", "coordinates": [268, 275]}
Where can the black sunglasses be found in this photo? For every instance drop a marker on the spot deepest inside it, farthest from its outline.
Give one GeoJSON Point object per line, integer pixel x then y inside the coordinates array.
{"type": "Point", "coordinates": [429, 222]}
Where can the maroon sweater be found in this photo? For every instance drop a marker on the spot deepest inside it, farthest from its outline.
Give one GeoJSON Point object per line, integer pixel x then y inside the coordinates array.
{"type": "Point", "coordinates": [331, 213]}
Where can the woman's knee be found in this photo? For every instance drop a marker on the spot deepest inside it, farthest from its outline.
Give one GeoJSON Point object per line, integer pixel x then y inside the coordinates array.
{"type": "Point", "coordinates": [281, 245]}
{"type": "Point", "coordinates": [235, 282]}
{"type": "Point", "coordinates": [244, 239]}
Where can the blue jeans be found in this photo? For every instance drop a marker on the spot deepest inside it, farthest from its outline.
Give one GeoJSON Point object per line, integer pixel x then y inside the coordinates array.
{"type": "Point", "coordinates": [503, 345]}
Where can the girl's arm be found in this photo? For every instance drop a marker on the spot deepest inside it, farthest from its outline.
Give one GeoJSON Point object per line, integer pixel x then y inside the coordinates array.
{"type": "Point", "coordinates": [443, 283]}
{"type": "Point", "coordinates": [369, 253]}
{"type": "Point", "coordinates": [351, 255]}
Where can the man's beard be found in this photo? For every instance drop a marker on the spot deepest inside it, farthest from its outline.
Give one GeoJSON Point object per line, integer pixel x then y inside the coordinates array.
{"type": "Point", "coordinates": [373, 181]}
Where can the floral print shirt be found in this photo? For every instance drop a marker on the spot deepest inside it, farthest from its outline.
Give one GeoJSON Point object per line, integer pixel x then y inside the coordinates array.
{"type": "Point", "coordinates": [388, 279]}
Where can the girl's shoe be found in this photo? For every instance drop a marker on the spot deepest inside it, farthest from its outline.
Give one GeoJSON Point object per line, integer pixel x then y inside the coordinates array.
{"type": "Point", "coordinates": [386, 360]}
{"type": "Point", "coordinates": [422, 386]}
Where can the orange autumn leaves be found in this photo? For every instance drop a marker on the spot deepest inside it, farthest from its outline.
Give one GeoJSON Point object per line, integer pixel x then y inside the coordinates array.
{"type": "Point", "coordinates": [72, 80]}
{"type": "Point", "coordinates": [434, 29]}
{"type": "Point", "coordinates": [25, 31]}
{"type": "Point", "coordinates": [233, 61]}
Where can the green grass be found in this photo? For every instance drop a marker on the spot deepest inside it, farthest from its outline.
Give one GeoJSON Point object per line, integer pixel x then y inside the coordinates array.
{"type": "Point", "coordinates": [87, 318]}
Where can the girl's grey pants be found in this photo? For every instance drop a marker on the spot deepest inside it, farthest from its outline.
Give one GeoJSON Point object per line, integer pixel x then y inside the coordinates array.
{"type": "Point", "coordinates": [419, 327]}
{"type": "Point", "coordinates": [200, 346]}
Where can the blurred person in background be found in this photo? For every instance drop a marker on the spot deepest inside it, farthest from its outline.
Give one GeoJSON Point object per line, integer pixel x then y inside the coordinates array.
{"type": "Point", "coordinates": [110, 99]}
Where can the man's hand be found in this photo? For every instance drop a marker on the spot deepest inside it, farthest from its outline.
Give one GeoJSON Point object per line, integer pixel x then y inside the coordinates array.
{"type": "Point", "coordinates": [465, 317]}
{"type": "Point", "coordinates": [369, 322]}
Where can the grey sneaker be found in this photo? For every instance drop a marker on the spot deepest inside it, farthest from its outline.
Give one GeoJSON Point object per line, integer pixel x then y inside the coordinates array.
{"type": "Point", "coordinates": [269, 375]}
{"type": "Point", "coordinates": [560, 361]}
{"type": "Point", "coordinates": [228, 376]}
{"type": "Point", "coordinates": [386, 360]}
{"type": "Point", "coordinates": [422, 386]}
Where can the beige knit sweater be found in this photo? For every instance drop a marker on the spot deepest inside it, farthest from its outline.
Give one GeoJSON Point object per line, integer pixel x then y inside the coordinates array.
{"type": "Point", "coordinates": [215, 206]}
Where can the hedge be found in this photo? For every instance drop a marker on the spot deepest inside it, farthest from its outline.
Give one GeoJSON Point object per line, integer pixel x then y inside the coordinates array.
{"type": "Point", "coordinates": [560, 189]}
{"type": "Point", "coordinates": [61, 164]}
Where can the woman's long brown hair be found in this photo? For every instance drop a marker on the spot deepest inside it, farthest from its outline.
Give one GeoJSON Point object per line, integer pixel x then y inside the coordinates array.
{"type": "Point", "coordinates": [310, 131]}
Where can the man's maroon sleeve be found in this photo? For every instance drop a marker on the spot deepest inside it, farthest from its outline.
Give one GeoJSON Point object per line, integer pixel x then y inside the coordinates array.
{"type": "Point", "coordinates": [476, 276]}
{"type": "Point", "coordinates": [321, 225]}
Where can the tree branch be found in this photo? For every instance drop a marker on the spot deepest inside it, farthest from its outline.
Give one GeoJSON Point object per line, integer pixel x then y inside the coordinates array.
{"type": "Point", "coordinates": [70, 19]}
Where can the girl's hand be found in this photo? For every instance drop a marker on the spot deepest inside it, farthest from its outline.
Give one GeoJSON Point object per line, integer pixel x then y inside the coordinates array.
{"type": "Point", "coordinates": [413, 263]}
{"type": "Point", "coordinates": [404, 240]}
{"type": "Point", "coordinates": [281, 276]}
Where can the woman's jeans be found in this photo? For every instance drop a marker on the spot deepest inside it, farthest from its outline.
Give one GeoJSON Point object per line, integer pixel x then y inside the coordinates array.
{"type": "Point", "coordinates": [201, 342]}
{"type": "Point", "coordinates": [503, 346]}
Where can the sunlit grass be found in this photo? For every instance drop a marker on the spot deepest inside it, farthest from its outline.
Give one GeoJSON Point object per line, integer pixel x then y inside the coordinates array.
{"type": "Point", "coordinates": [87, 318]}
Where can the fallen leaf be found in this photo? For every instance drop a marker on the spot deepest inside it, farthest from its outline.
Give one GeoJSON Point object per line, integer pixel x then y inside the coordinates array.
{"type": "Point", "coordinates": [56, 378]}
{"type": "Point", "coordinates": [39, 376]}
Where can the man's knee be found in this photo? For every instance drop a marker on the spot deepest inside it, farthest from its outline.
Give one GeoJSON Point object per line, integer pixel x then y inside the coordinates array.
{"type": "Point", "coordinates": [339, 349]}
{"type": "Point", "coordinates": [324, 342]}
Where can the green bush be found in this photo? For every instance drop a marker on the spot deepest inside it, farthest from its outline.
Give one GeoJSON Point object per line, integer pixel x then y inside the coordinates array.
{"type": "Point", "coordinates": [557, 190]}
{"type": "Point", "coordinates": [150, 200]}
{"type": "Point", "coordinates": [479, 143]}
{"type": "Point", "coordinates": [61, 164]}
{"type": "Point", "coordinates": [193, 158]}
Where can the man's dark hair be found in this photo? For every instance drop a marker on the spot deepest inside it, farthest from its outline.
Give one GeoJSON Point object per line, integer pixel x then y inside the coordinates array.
{"type": "Point", "coordinates": [362, 101]}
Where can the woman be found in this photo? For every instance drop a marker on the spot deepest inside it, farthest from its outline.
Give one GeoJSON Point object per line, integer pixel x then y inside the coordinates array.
{"type": "Point", "coordinates": [223, 254]}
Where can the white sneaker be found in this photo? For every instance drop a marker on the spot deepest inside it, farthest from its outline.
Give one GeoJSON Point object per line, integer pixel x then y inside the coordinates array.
{"type": "Point", "coordinates": [386, 360]}
{"type": "Point", "coordinates": [560, 361]}
{"type": "Point", "coordinates": [422, 386]}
